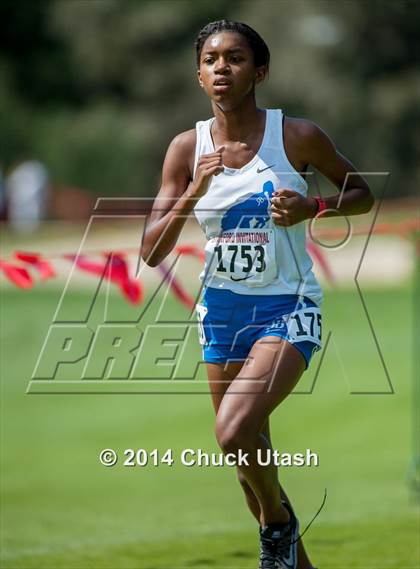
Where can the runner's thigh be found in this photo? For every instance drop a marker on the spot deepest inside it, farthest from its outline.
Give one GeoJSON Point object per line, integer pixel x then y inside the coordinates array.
{"type": "Point", "coordinates": [220, 376]}
{"type": "Point", "coordinates": [270, 373]}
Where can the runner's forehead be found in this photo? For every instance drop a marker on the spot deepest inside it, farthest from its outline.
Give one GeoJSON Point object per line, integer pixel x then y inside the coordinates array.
{"type": "Point", "coordinates": [225, 42]}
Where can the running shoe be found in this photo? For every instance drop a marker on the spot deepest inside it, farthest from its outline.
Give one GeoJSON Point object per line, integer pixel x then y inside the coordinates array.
{"type": "Point", "coordinates": [268, 548]}
{"type": "Point", "coordinates": [278, 544]}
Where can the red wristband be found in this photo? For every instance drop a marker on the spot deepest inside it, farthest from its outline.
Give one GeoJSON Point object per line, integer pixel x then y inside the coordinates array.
{"type": "Point", "coordinates": [322, 205]}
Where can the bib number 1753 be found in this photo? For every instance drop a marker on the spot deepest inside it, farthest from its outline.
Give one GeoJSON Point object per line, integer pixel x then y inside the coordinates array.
{"type": "Point", "coordinates": [246, 257]}
{"type": "Point", "coordinates": [250, 256]}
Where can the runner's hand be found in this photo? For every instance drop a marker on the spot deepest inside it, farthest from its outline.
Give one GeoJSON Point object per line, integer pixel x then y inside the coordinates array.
{"type": "Point", "coordinates": [208, 165]}
{"type": "Point", "coordinates": [289, 207]}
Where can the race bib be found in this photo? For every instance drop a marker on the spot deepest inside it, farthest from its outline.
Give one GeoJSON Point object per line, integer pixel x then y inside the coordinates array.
{"type": "Point", "coordinates": [244, 256]}
{"type": "Point", "coordinates": [304, 324]}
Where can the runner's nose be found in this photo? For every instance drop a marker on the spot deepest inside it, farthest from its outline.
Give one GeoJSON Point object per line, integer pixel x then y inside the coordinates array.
{"type": "Point", "coordinates": [221, 66]}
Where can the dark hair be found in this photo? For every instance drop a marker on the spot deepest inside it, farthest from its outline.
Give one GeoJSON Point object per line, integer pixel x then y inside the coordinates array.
{"type": "Point", "coordinates": [256, 43]}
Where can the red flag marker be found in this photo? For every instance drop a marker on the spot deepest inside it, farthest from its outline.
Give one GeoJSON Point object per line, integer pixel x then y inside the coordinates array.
{"type": "Point", "coordinates": [44, 267]}
{"type": "Point", "coordinates": [114, 269]}
{"type": "Point", "coordinates": [19, 276]}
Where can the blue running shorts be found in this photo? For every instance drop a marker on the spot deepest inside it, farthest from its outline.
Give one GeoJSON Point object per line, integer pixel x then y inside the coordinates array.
{"type": "Point", "coordinates": [230, 323]}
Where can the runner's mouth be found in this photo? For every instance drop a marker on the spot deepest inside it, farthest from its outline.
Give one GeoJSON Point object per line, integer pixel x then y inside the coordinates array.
{"type": "Point", "coordinates": [221, 85]}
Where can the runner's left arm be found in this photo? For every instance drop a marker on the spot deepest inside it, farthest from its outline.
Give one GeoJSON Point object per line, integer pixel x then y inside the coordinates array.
{"type": "Point", "coordinates": [318, 150]}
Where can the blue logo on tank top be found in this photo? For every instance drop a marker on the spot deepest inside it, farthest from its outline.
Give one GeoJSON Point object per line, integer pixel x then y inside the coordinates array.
{"type": "Point", "coordinates": [252, 213]}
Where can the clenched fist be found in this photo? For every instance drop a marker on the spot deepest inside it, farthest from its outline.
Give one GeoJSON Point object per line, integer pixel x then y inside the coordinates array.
{"type": "Point", "coordinates": [289, 207]}
{"type": "Point", "coordinates": [208, 165]}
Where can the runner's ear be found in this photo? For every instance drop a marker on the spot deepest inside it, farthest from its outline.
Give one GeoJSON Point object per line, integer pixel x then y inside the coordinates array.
{"type": "Point", "coordinates": [260, 74]}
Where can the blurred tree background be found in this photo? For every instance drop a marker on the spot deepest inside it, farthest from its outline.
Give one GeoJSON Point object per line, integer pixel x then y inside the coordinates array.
{"type": "Point", "coordinates": [96, 89]}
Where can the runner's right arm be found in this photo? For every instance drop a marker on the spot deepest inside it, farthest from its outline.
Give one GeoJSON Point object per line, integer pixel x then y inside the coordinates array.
{"type": "Point", "coordinates": [177, 196]}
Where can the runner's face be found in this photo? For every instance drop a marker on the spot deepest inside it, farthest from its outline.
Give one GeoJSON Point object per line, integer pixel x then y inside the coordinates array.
{"type": "Point", "coordinates": [227, 71]}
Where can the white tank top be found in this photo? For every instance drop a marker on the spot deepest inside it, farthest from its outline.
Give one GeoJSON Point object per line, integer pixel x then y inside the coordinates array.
{"type": "Point", "coordinates": [246, 252]}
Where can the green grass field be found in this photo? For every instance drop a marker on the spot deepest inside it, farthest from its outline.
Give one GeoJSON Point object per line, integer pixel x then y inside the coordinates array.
{"type": "Point", "coordinates": [62, 509]}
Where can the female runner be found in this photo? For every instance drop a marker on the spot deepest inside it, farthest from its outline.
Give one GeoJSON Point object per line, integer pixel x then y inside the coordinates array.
{"type": "Point", "coordinates": [242, 173]}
